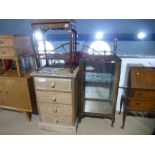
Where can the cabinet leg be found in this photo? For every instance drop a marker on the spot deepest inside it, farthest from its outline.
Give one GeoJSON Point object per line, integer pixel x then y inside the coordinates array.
{"type": "Point", "coordinates": [27, 116]}
{"type": "Point", "coordinates": [124, 116]}
{"type": "Point", "coordinates": [112, 123]}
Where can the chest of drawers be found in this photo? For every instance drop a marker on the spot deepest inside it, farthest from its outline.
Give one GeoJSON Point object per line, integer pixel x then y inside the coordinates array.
{"type": "Point", "coordinates": [57, 102]}
{"type": "Point", "coordinates": [139, 96]}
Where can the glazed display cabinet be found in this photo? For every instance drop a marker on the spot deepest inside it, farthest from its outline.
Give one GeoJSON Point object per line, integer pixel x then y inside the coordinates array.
{"type": "Point", "coordinates": [99, 79]}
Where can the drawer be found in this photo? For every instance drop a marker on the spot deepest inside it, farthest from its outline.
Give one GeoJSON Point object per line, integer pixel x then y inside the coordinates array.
{"type": "Point", "coordinates": [6, 41]}
{"type": "Point", "coordinates": [6, 51]}
{"type": "Point", "coordinates": [150, 94]}
{"type": "Point", "coordinates": [56, 120]}
{"type": "Point", "coordinates": [54, 97]}
{"type": "Point", "coordinates": [55, 109]}
{"type": "Point", "coordinates": [53, 84]}
{"type": "Point", "coordinates": [54, 113]}
{"type": "Point", "coordinates": [143, 105]}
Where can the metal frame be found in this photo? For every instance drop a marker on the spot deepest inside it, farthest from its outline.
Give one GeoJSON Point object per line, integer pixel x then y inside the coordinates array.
{"type": "Point", "coordinates": [66, 25]}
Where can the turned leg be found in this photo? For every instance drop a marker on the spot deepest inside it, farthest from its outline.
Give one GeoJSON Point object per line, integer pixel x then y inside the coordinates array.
{"type": "Point", "coordinates": [27, 116]}
{"type": "Point", "coordinates": [124, 116]}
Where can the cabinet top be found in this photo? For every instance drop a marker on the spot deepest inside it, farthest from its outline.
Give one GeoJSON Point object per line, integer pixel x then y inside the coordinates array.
{"type": "Point", "coordinates": [56, 72]}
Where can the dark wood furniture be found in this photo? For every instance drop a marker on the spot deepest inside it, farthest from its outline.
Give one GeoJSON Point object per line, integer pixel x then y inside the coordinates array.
{"type": "Point", "coordinates": [139, 94]}
{"type": "Point", "coordinates": [99, 80]}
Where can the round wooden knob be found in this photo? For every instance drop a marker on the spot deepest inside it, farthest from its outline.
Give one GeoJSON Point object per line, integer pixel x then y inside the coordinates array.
{"type": "Point", "coordinates": [53, 98]}
{"type": "Point", "coordinates": [1, 42]}
{"type": "Point", "coordinates": [52, 84]}
{"type": "Point", "coordinates": [55, 110]}
{"type": "Point", "coordinates": [3, 52]}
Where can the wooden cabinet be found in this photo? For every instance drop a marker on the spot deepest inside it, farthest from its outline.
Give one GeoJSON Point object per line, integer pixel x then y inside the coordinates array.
{"type": "Point", "coordinates": [99, 79]}
{"type": "Point", "coordinates": [57, 100]}
{"type": "Point", "coordinates": [139, 94]}
{"type": "Point", "coordinates": [17, 93]}
{"type": "Point", "coordinates": [16, 63]}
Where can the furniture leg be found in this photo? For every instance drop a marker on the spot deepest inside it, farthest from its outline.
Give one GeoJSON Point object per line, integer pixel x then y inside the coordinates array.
{"type": "Point", "coordinates": [124, 116]}
{"type": "Point", "coordinates": [27, 116]}
{"type": "Point", "coordinates": [113, 121]}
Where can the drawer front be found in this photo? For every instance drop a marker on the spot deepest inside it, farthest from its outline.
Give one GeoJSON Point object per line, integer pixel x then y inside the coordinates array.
{"type": "Point", "coordinates": [54, 113]}
{"type": "Point", "coordinates": [7, 51]}
{"type": "Point", "coordinates": [57, 120]}
{"type": "Point", "coordinates": [55, 109]}
{"type": "Point", "coordinates": [53, 84]}
{"type": "Point", "coordinates": [6, 42]}
{"type": "Point", "coordinates": [150, 94]}
{"type": "Point", "coordinates": [142, 105]}
{"type": "Point", "coordinates": [54, 97]}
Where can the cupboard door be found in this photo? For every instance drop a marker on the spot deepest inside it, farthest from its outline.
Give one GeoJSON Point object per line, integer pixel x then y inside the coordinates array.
{"type": "Point", "coordinates": [18, 95]}
{"type": "Point", "coordinates": [3, 93]}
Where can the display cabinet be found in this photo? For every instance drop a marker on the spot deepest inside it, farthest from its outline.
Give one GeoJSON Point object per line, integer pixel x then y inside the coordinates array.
{"type": "Point", "coordinates": [99, 80]}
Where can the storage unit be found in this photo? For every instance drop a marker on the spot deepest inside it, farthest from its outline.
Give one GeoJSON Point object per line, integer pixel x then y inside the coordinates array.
{"type": "Point", "coordinates": [56, 92]}
{"type": "Point", "coordinates": [139, 95]}
{"type": "Point", "coordinates": [16, 63]}
{"type": "Point", "coordinates": [99, 79]}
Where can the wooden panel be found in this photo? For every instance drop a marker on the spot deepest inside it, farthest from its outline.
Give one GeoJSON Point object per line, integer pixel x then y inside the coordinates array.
{"type": "Point", "coordinates": [53, 84]}
{"type": "Point", "coordinates": [3, 93]}
{"type": "Point", "coordinates": [54, 97]}
{"type": "Point", "coordinates": [18, 94]}
{"type": "Point", "coordinates": [7, 51]}
{"type": "Point", "coordinates": [6, 41]}
{"type": "Point", "coordinates": [139, 93]}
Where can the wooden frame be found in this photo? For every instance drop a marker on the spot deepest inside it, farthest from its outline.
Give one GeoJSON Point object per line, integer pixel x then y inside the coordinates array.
{"type": "Point", "coordinates": [100, 60]}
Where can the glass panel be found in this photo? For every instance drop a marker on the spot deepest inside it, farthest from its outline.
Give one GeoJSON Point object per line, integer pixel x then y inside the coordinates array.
{"type": "Point", "coordinates": [99, 81]}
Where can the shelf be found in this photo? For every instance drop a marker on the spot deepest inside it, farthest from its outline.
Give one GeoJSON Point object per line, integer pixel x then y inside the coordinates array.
{"type": "Point", "coordinates": [98, 107]}
{"type": "Point", "coordinates": [11, 73]}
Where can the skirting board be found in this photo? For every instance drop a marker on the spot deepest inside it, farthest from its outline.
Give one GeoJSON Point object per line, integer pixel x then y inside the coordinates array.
{"type": "Point", "coordinates": [58, 128]}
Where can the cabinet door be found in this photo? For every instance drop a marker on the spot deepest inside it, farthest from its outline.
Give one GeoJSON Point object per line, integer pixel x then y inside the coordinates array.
{"type": "Point", "coordinates": [18, 95]}
{"type": "Point", "coordinates": [3, 93]}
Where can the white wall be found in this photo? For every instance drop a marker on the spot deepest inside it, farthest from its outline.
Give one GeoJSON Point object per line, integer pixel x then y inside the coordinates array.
{"type": "Point", "coordinates": [144, 61]}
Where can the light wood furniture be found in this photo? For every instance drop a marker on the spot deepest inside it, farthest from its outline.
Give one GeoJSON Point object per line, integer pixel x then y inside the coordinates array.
{"type": "Point", "coordinates": [57, 99]}
{"type": "Point", "coordinates": [99, 80]}
{"type": "Point", "coordinates": [16, 85]}
{"type": "Point", "coordinates": [139, 94]}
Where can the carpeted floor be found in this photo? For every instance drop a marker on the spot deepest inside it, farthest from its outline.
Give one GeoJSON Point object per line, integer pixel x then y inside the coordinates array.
{"type": "Point", "coordinates": [14, 123]}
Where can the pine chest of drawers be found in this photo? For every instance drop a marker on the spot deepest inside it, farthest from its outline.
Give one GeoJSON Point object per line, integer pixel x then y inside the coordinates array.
{"type": "Point", "coordinates": [57, 100]}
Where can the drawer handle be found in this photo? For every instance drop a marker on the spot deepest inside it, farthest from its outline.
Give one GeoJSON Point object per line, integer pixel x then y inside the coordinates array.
{"type": "Point", "coordinates": [52, 84]}
{"type": "Point", "coordinates": [137, 103]}
{"type": "Point", "coordinates": [53, 98]}
{"type": "Point", "coordinates": [137, 73]}
{"type": "Point", "coordinates": [3, 52]}
{"type": "Point", "coordinates": [1, 42]}
{"type": "Point", "coordinates": [55, 110]}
